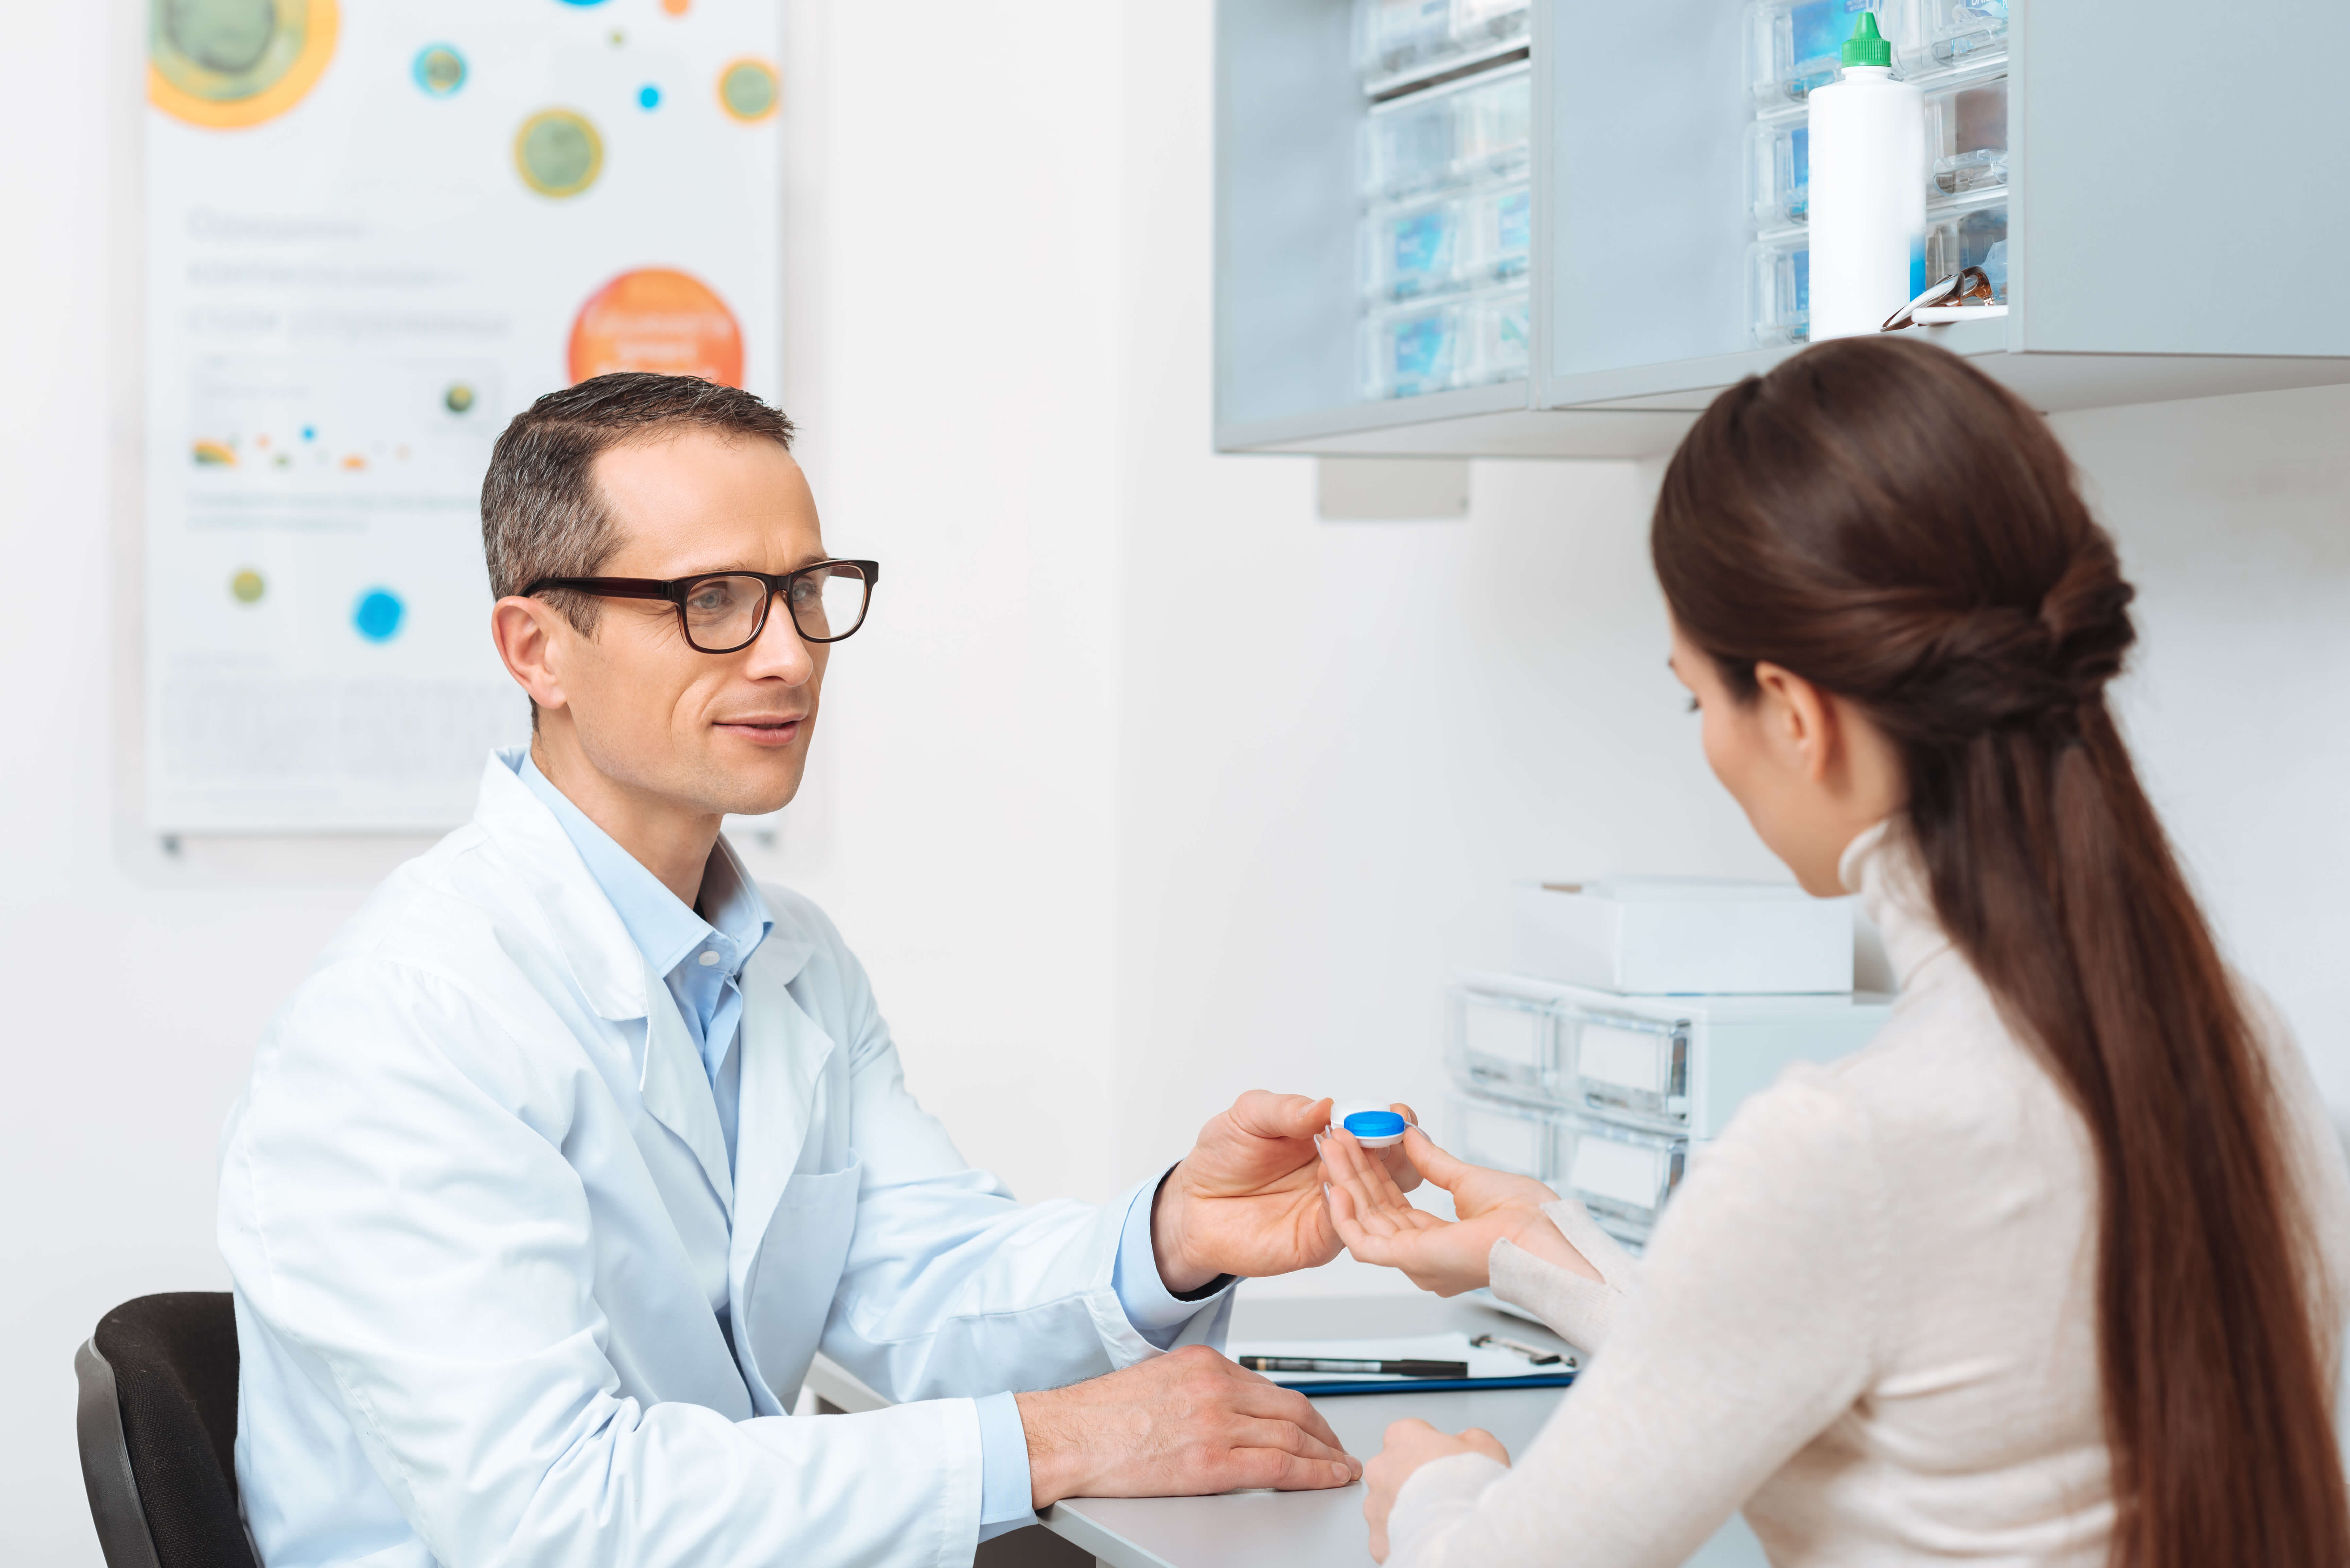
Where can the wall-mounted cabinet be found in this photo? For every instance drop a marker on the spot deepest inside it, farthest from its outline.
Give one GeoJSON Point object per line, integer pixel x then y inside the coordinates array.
{"type": "Point", "coordinates": [1488, 227]}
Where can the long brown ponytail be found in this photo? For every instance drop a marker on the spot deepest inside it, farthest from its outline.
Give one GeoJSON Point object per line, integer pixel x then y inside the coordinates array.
{"type": "Point", "coordinates": [1886, 521]}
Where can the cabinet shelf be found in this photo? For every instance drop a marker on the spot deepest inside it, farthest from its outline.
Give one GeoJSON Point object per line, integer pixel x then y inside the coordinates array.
{"type": "Point", "coordinates": [2123, 289]}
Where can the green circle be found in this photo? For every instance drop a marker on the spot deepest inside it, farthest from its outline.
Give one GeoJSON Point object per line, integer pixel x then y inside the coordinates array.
{"type": "Point", "coordinates": [226, 51]}
{"type": "Point", "coordinates": [559, 152]}
{"type": "Point", "coordinates": [440, 69]}
{"type": "Point", "coordinates": [220, 35]}
{"type": "Point", "coordinates": [459, 397]}
{"type": "Point", "coordinates": [248, 587]}
{"type": "Point", "coordinates": [749, 89]}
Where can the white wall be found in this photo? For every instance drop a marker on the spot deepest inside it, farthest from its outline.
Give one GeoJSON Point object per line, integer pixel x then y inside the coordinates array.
{"type": "Point", "coordinates": [1145, 786]}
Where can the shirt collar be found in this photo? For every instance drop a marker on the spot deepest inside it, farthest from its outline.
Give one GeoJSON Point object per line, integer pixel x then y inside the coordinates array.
{"type": "Point", "coordinates": [665, 928]}
{"type": "Point", "coordinates": [1882, 866]}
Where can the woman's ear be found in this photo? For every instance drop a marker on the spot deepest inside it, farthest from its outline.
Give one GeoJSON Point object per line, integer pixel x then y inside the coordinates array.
{"type": "Point", "coordinates": [1799, 724]}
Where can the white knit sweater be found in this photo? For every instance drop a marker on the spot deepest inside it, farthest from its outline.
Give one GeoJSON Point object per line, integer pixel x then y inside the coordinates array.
{"type": "Point", "coordinates": [1867, 1319]}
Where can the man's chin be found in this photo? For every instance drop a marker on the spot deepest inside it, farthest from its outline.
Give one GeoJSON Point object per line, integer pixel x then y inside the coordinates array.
{"type": "Point", "coordinates": [756, 791]}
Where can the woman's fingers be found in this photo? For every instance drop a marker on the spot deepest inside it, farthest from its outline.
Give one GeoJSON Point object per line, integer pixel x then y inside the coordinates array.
{"type": "Point", "coordinates": [1377, 1205]}
{"type": "Point", "coordinates": [1485, 1443]}
{"type": "Point", "coordinates": [1433, 1162]}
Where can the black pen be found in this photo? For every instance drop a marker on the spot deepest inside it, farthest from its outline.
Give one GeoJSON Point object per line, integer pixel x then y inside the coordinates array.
{"type": "Point", "coordinates": [1330, 1363]}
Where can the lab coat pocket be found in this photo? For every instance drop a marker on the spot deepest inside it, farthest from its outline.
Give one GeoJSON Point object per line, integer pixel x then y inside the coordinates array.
{"type": "Point", "coordinates": [797, 1272]}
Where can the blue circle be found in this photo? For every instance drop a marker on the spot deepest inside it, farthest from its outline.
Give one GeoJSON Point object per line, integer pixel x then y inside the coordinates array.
{"type": "Point", "coordinates": [649, 95]}
{"type": "Point", "coordinates": [1374, 1123]}
{"type": "Point", "coordinates": [379, 614]}
{"type": "Point", "coordinates": [310, 432]}
{"type": "Point", "coordinates": [440, 70]}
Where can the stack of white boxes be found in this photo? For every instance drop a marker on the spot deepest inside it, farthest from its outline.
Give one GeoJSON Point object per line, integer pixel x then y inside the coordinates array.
{"type": "Point", "coordinates": [1643, 1011]}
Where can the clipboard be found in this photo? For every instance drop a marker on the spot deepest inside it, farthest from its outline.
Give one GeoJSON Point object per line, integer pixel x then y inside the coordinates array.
{"type": "Point", "coordinates": [1489, 1368]}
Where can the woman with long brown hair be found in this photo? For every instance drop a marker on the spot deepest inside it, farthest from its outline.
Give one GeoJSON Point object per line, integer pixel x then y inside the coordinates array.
{"type": "Point", "coordinates": [2057, 1269]}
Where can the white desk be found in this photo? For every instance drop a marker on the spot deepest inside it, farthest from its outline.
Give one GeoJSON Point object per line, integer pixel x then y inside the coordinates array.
{"type": "Point", "coordinates": [1306, 1529]}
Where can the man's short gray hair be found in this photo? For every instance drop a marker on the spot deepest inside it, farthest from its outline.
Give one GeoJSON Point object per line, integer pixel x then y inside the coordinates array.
{"type": "Point", "coordinates": [542, 512]}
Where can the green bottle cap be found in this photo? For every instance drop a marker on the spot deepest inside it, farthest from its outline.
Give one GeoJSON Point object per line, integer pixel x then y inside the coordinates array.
{"type": "Point", "coordinates": [1867, 46]}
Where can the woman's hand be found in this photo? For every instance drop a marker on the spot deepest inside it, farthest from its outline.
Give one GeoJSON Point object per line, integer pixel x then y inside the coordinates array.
{"type": "Point", "coordinates": [1380, 1225]}
{"type": "Point", "coordinates": [1409, 1445]}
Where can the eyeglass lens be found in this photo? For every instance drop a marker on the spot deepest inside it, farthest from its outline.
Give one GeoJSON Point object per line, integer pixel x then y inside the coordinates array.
{"type": "Point", "coordinates": [722, 614]}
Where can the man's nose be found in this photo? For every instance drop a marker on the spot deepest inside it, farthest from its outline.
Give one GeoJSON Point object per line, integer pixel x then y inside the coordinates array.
{"type": "Point", "coordinates": [778, 651]}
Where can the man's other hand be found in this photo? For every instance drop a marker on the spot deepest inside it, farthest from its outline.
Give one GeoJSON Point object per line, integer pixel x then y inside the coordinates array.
{"type": "Point", "coordinates": [1248, 1200]}
{"type": "Point", "coordinates": [1186, 1424]}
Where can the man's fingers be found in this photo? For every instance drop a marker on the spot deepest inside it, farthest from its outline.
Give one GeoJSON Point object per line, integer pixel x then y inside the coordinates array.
{"type": "Point", "coordinates": [1267, 1115]}
{"type": "Point", "coordinates": [1259, 1432]}
{"type": "Point", "coordinates": [1264, 1400]}
{"type": "Point", "coordinates": [1250, 1468]}
{"type": "Point", "coordinates": [1343, 1160]}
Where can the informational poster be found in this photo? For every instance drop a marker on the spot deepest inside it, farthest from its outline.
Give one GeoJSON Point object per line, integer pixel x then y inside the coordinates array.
{"type": "Point", "coordinates": [377, 230]}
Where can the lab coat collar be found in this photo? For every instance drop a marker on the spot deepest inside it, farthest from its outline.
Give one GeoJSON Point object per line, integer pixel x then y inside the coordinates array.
{"type": "Point", "coordinates": [676, 1087]}
{"type": "Point", "coordinates": [1883, 867]}
{"type": "Point", "coordinates": [603, 958]}
{"type": "Point", "coordinates": [784, 1056]}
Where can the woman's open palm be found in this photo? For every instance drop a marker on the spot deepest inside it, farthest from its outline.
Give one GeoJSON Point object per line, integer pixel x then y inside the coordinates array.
{"type": "Point", "coordinates": [1380, 1225]}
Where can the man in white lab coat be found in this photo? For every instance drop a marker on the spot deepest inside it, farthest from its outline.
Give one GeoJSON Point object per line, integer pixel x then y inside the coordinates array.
{"type": "Point", "coordinates": [578, 1145]}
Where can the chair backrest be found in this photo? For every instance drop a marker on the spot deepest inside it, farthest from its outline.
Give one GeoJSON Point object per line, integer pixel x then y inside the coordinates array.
{"type": "Point", "coordinates": [158, 1428]}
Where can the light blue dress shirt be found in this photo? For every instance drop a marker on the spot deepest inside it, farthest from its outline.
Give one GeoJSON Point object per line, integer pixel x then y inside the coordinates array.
{"type": "Point", "coordinates": [702, 961]}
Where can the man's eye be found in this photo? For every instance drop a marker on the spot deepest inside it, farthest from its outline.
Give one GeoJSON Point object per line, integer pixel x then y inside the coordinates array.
{"type": "Point", "coordinates": [713, 597]}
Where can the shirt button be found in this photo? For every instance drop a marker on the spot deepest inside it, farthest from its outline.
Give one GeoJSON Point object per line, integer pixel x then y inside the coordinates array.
{"type": "Point", "coordinates": [708, 958]}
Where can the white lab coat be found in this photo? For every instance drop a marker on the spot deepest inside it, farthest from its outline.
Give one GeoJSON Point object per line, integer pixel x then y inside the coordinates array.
{"type": "Point", "coordinates": [457, 1199]}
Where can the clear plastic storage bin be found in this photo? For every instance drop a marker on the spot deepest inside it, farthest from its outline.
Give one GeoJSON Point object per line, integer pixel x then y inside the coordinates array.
{"type": "Point", "coordinates": [1623, 1175]}
{"type": "Point", "coordinates": [1966, 137]}
{"type": "Point", "coordinates": [1501, 1043]}
{"type": "Point", "coordinates": [1414, 249]}
{"type": "Point", "coordinates": [1962, 32]}
{"type": "Point", "coordinates": [1396, 40]}
{"type": "Point", "coordinates": [1795, 46]}
{"type": "Point", "coordinates": [1505, 1136]}
{"type": "Point", "coordinates": [1967, 233]}
{"type": "Point", "coordinates": [1459, 340]}
{"type": "Point", "coordinates": [1447, 244]}
{"type": "Point", "coordinates": [1779, 288]}
{"type": "Point", "coordinates": [1779, 170]}
{"type": "Point", "coordinates": [1448, 138]}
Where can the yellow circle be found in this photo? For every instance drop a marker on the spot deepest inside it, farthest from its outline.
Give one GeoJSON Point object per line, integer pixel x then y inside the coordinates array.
{"type": "Point", "coordinates": [225, 65]}
{"type": "Point", "coordinates": [559, 152]}
{"type": "Point", "coordinates": [248, 587]}
{"type": "Point", "coordinates": [748, 89]}
{"type": "Point", "coordinates": [458, 398]}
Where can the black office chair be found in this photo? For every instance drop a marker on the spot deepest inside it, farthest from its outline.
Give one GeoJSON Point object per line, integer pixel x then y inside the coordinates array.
{"type": "Point", "coordinates": [158, 1426]}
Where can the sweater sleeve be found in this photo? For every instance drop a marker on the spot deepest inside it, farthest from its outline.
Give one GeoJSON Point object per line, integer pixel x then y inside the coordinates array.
{"type": "Point", "coordinates": [1754, 1326]}
{"type": "Point", "coordinates": [1583, 1312]}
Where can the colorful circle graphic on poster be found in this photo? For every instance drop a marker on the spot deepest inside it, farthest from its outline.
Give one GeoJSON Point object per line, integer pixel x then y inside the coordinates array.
{"type": "Point", "coordinates": [248, 587]}
{"type": "Point", "coordinates": [748, 89]}
{"type": "Point", "coordinates": [657, 319]}
{"type": "Point", "coordinates": [225, 65]}
{"type": "Point", "coordinates": [559, 152]}
{"type": "Point", "coordinates": [379, 614]}
{"type": "Point", "coordinates": [439, 70]}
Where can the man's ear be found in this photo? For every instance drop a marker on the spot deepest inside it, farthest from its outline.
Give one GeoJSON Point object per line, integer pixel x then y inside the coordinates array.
{"type": "Point", "coordinates": [533, 638]}
{"type": "Point", "coordinates": [1799, 722]}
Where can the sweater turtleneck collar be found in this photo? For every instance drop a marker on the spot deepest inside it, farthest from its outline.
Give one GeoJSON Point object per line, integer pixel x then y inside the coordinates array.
{"type": "Point", "coordinates": [1884, 869]}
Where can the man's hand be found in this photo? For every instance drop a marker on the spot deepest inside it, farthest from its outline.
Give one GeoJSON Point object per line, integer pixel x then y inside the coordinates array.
{"type": "Point", "coordinates": [1247, 1199]}
{"type": "Point", "coordinates": [1181, 1425]}
{"type": "Point", "coordinates": [1380, 1225]}
{"type": "Point", "coordinates": [1412, 1444]}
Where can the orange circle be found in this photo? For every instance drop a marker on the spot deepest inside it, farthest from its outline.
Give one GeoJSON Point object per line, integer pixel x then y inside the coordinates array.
{"type": "Point", "coordinates": [220, 102]}
{"type": "Point", "coordinates": [676, 7]}
{"type": "Point", "coordinates": [657, 319]}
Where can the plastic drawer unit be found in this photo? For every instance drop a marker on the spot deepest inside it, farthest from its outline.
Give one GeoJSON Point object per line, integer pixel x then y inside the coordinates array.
{"type": "Point", "coordinates": [1681, 1063]}
{"type": "Point", "coordinates": [1606, 1096]}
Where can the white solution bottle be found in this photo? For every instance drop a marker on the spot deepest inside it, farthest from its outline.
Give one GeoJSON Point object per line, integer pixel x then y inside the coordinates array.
{"type": "Point", "coordinates": [1867, 216]}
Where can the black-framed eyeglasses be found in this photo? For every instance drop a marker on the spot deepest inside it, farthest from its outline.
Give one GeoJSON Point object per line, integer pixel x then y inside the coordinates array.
{"type": "Point", "coordinates": [724, 612]}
